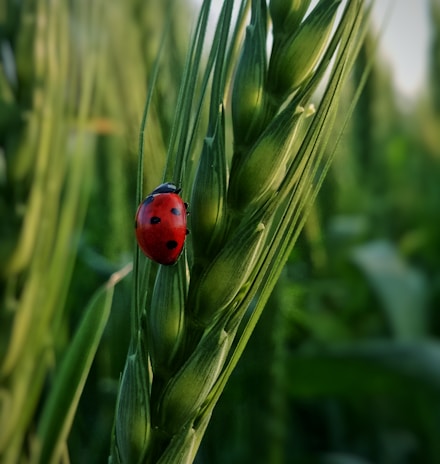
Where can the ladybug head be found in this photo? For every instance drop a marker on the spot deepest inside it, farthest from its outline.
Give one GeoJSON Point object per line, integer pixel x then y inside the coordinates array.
{"type": "Point", "coordinates": [168, 187]}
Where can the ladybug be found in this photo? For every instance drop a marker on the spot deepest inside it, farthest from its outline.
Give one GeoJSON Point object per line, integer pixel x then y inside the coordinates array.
{"type": "Point", "coordinates": [160, 224]}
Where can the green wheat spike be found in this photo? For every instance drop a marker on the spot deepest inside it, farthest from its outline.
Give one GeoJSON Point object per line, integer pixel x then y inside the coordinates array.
{"type": "Point", "coordinates": [274, 151]}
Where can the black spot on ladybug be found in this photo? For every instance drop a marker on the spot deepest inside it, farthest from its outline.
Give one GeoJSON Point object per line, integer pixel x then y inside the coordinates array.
{"type": "Point", "coordinates": [171, 244]}
{"type": "Point", "coordinates": [175, 211]}
{"type": "Point", "coordinates": [155, 220]}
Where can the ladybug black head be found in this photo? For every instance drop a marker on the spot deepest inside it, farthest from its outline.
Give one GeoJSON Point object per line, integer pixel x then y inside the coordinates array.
{"type": "Point", "coordinates": [168, 187]}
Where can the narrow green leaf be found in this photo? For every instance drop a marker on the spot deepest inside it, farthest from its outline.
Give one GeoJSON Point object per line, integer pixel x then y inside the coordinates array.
{"type": "Point", "coordinates": [60, 408]}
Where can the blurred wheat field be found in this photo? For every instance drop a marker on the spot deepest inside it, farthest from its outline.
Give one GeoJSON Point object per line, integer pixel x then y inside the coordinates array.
{"type": "Point", "coordinates": [73, 87]}
{"type": "Point", "coordinates": [343, 365]}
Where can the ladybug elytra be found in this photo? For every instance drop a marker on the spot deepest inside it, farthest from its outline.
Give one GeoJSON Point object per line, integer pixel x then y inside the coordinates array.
{"type": "Point", "coordinates": [161, 224]}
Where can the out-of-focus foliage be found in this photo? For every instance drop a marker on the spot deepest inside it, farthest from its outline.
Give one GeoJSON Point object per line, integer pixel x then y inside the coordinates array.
{"type": "Point", "coordinates": [73, 82]}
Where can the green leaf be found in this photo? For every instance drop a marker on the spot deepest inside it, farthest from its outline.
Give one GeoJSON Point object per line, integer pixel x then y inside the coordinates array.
{"type": "Point", "coordinates": [401, 289]}
{"type": "Point", "coordinates": [366, 368]}
{"type": "Point", "coordinates": [59, 411]}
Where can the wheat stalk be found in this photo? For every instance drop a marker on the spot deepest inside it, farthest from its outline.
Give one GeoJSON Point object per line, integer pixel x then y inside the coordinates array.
{"type": "Point", "coordinates": [249, 198]}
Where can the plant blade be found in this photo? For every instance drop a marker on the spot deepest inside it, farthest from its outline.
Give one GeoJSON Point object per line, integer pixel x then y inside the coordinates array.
{"type": "Point", "coordinates": [58, 414]}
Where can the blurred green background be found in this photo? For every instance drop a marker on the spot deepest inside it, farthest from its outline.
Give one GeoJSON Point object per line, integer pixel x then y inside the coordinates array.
{"type": "Point", "coordinates": [344, 366]}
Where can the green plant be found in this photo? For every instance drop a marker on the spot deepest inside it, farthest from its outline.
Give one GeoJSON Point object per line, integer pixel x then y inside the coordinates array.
{"type": "Point", "coordinates": [250, 193]}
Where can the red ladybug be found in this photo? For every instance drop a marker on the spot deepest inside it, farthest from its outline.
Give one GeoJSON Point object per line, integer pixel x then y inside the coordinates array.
{"type": "Point", "coordinates": [161, 224]}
